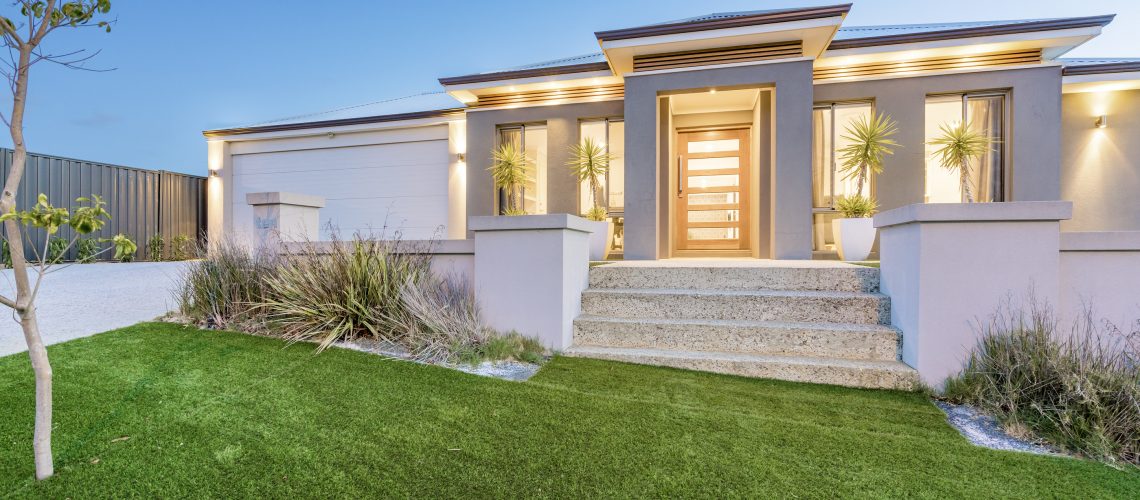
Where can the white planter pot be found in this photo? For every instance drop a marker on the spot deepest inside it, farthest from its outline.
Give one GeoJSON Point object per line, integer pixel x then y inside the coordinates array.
{"type": "Point", "coordinates": [600, 235]}
{"type": "Point", "coordinates": [853, 237]}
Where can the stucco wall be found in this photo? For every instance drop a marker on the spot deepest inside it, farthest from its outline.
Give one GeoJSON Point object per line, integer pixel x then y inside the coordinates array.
{"type": "Point", "coordinates": [1100, 168]}
{"type": "Point", "coordinates": [561, 132]}
{"type": "Point", "coordinates": [789, 203]}
{"type": "Point", "coordinates": [1034, 170]}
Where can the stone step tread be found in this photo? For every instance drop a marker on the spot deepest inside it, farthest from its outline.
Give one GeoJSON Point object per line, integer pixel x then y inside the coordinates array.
{"type": "Point", "coordinates": [869, 328]}
{"type": "Point", "coordinates": [738, 293]}
{"type": "Point", "coordinates": [834, 371]}
{"type": "Point", "coordinates": [892, 366]}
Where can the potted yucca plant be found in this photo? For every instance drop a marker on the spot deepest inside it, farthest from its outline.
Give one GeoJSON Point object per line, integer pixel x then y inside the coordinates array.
{"type": "Point", "coordinates": [869, 140]}
{"type": "Point", "coordinates": [958, 145]}
{"type": "Point", "coordinates": [589, 162]}
{"type": "Point", "coordinates": [509, 166]}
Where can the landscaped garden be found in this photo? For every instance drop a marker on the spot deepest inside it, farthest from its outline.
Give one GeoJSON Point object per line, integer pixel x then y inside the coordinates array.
{"type": "Point", "coordinates": [169, 410]}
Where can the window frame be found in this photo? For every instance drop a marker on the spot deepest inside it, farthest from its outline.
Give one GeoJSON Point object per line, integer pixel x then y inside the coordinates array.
{"type": "Point", "coordinates": [1003, 192]}
{"type": "Point", "coordinates": [606, 188]}
{"type": "Point", "coordinates": [832, 158]}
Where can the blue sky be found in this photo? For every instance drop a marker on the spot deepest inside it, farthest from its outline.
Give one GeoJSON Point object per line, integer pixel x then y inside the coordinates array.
{"type": "Point", "coordinates": [183, 67]}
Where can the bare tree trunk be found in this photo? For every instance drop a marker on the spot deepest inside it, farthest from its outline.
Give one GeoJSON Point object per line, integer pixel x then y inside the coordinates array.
{"type": "Point", "coordinates": [967, 190]}
{"type": "Point", "coordinates": [41, 442]}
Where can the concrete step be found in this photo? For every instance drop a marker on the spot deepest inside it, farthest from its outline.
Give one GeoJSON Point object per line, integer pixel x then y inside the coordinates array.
{"type": "Point", "coordinates": [832, 340]}
{"type": "Point", "coordinates": [846, 372]}
{"type": "Point", "coordinates": [760, 305]}
{"type": "Point", "coordinates": [737, 275]}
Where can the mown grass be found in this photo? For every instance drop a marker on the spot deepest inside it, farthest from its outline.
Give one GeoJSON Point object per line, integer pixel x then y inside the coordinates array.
{"type": "Point", "coordinates": [160, 410]}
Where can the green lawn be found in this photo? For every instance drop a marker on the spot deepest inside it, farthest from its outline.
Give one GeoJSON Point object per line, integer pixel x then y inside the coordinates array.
{"type": "Point", "coordinates": [215, 414]}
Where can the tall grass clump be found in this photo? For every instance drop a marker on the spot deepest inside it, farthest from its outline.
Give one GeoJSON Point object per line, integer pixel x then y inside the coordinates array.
{"type": "Point", "coordinates": [225, 290]}
{"type": "Point", "coordinates": [342, 290]}
{"type": "Point", "coordinates": [1080, 391]}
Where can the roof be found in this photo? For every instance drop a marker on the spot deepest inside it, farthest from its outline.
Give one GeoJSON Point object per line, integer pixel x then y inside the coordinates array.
{"type": "Point", "coordinates": [723, 20]}
{"type": "Point", "coordinates": [868, 36]}
{"type": "Point", "coordinates": [1099, 65]}
{"type": "Point", "coordinates": [577, 64]}
{"type": "Point", "coordinates": [422, 105]}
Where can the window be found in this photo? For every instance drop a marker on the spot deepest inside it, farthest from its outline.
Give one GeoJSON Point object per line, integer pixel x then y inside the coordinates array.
{"type": "Point", "coordinates": [611, 135]}
{"type": "Point", "coordinates": [532, 140]}
{"type": "Point", "coordinates": [985, 112]}
{"type": "Point", "coordinates": [830, 129]}
{"type": "Point", "coordinates": [829, 126]}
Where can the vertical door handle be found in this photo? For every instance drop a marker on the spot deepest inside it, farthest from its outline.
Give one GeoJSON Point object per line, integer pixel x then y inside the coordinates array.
{"type": "Point", "coordinates": [680, 180]}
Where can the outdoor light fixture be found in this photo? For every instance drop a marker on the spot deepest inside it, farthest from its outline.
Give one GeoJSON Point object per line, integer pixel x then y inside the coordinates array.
{"type": "Point", "coordinates": [460, 157]}
{"type": "Point", "coordinates": [214, 173]}
{"type": "Point", "coordinates": [712, 91]}
{"type": "Point", "coordinates": [1102, 121]}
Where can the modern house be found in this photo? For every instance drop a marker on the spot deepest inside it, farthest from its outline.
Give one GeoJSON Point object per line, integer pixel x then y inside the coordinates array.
{"type": "Point", "coordinates": [727, 131]}
{"type": "Point", "coordinates": [726, 128]}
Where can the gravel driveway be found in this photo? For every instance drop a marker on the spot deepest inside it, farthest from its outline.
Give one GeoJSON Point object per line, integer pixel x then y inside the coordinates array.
{"type": "Point", "coordinates": [86, 299]}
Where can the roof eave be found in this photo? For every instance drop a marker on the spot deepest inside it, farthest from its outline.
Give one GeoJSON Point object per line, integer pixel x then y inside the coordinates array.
{"type": "Point", "coordinates": [949, 34]}
{"type": "Point", "coordinates": [364, 120]}
{"type": "Point", "coordinates": [732, 22]}
{"type": "Point", "coordinates": [524, 73]}
{"type": "Point", "coordinates": [1098, 69]}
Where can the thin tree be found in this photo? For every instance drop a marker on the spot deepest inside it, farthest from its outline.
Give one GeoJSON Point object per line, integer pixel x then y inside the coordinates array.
{"type": "Point", "coordinates": [24, 35]}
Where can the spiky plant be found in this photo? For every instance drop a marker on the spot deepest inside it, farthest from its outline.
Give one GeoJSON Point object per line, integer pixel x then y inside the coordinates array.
{"type": "Point", "coordinates": [589, 161]}
{"type": "Point", "coordinates": [868, 141]}
{"type": "Point", "coordinates": [509, 166]}
{"type": "Point", "coordinates": [958, 145]}
{"type": "Point", "coordinates": [856, 206]}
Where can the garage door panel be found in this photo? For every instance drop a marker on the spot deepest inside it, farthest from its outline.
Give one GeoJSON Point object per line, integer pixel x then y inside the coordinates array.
{"type": "Point", "coordinates": [370, 183]}
{"type": "Point", "coordinates": [345, 158]}
{"type": "Point", "coordinates": [411, 216]}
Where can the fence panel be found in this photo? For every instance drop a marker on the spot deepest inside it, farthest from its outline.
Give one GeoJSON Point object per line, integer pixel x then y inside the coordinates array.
{"type": "Point", "coordinates": [142, 202]}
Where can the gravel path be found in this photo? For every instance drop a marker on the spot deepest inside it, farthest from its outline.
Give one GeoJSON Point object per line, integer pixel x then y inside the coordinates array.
{"type": "Point", "coordinates": [85, 299]}
{"type": "Point", "coordinates": [984, 430]}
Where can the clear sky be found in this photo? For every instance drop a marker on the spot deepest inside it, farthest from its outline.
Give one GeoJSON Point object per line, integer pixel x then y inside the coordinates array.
{"type": "Point", "coordinates": [184, 67]}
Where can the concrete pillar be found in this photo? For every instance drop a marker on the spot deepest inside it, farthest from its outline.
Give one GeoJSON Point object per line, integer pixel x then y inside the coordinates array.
{"type": "Point", "coordinates": [530, 272]}
{"type": "Point", "coordinates": [285, 217]}
{"type": "Point", "coordinates": [947, 266]}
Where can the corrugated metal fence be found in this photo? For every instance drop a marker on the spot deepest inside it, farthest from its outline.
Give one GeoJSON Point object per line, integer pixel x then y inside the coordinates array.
{"type": "Point", "coordinates": [142, 203]}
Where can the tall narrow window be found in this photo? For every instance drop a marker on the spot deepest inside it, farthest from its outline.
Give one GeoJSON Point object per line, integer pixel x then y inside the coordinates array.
{"type": "Point", "coordinates": [829, 182]}
{"type": "Point", "coordinates": [986, 113]}
{"type": "Point", "coordinates": [531, 139]}
{"type": "Point", "coordinates": [611, 135]}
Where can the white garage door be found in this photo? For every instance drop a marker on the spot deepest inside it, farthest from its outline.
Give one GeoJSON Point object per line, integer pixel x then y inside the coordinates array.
{"type": "Point", "coordinates": [372, 188]}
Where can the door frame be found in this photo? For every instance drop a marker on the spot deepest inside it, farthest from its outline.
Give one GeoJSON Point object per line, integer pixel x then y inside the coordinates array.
{"type": "Point", "coordinates": [679, 222]}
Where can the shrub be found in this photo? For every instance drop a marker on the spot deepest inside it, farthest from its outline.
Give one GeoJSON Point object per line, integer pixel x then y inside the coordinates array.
{"type": "Point", "coordinates": [225, 289]}
{"type": "Point", "coordinates": [442, 318]}
{"type": "Point", "coordinates": [342, 290]}
{"type": "Point", "coordinates": [86, 250]}
{"type": "Point", "coordinates": [180, 247]}
{"type": "Point", "coordinates": [856, 206]}
{"type": "Point", "coordinates": [124, 248]}
{"type": "Point", "coordinates": [1079, 391]}
{"type": "Point", "coordinates": [155, 248]}
{"type": "Point", "coordinates": [56, 249]}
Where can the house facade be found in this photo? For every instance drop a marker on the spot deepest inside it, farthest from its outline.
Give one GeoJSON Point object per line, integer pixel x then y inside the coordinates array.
{"type": "Point", "coordinates": [726, 131]}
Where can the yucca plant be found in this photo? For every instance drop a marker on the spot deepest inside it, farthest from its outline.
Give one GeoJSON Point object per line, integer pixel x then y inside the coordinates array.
{"type": "Point", "coordinates": [959, 144]}
{"type": "Point", "coordinates": [509, 166]}
{"type": "Point", "coordinates": [589, 162]}
{"type": "Point", "coordinates": [868, 141]}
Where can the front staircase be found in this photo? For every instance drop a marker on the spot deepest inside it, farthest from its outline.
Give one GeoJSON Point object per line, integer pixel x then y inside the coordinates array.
{"type": "Point", "coordinates": [806, 321]}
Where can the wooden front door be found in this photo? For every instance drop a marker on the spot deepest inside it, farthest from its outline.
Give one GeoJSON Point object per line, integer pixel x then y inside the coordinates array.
{"type": "Point", "coordinates": [712, 190]}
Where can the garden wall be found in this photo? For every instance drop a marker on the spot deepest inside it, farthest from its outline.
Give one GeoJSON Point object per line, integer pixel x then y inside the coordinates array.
{"type": "Point", "coordinates": [947, 268]}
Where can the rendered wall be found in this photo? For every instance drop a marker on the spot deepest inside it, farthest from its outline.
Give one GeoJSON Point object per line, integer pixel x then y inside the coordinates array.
{"type": "Point", "coordinates": [561, 133]}
{"type": "Point", "coordinates": [1034, 146]}
{"type": "Point", "coordinates": [1100, 167]}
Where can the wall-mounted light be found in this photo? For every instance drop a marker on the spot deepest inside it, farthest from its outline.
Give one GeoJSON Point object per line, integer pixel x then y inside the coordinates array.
{"type": "Point", "coordinates": [712, 91]}
{"type": "Point", "coordinates": [1102, 121]}
{"type": "Point", "coordinates": [460, 157]}
{"type": "Point", "coordinates": [214, 173]}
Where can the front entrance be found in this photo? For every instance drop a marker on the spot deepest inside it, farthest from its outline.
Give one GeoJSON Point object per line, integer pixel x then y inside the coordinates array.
{"type": "Point", "coordinates": [712, 190]}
